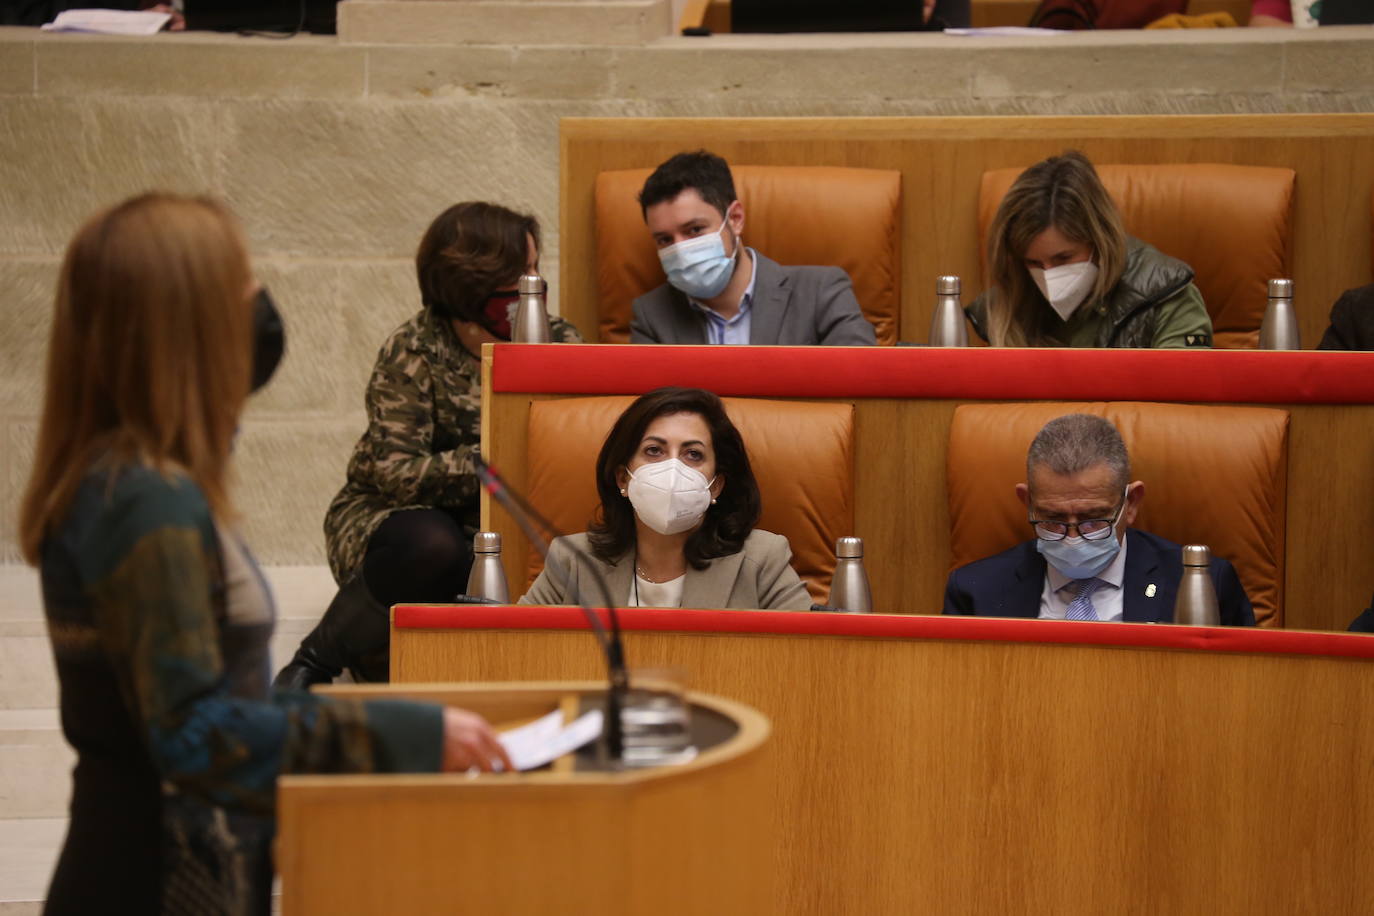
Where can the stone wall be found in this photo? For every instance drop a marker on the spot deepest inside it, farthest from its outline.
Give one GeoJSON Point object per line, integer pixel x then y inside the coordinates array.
{"type": "Point", "coordinates": [336, 156]}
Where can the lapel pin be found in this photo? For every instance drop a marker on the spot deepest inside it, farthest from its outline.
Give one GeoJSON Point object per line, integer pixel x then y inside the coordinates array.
{"type": "Point", "coordinates": [1150, 590]}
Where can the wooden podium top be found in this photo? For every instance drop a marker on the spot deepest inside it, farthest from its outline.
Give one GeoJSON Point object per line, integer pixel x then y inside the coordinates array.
{"type": "Point", "coordinates": [729, 729]}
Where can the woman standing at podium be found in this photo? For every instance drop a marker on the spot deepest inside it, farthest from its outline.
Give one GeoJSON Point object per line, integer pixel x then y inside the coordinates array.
{"type": "Point", "coordinates": [158, 615]}
{"type": "Point", "coordinates": [676, 528]}
{"type": "Point", "coordinates": [1065, 273]}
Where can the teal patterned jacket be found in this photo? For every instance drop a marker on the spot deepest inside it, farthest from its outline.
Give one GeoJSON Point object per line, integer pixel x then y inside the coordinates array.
{"type": "Point", "coordinates": [159, 621]}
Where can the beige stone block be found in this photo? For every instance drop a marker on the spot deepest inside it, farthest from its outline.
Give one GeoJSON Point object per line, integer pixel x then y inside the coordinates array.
{"type": "Point", "coordinates": [301, 593]}
{"type": "Point", "coordinates": [61, 159]}
{"type": "Point", "coordinates": [20, 593]}
{"type": "Point", "coordinates": [1360, 101]}
{"type": "Point", "coordinates": [16, 463]}
{"type": "Point", "coordinates": [1329, 66]}
{"type": "Point", "coordinates": [200, 64]}
{"type": "Point", "coordinates": [365, 180]}
{"type": "Point", "coordinates": [377, 298]}
{"type": "Point", "coordinates": [28, 852]}
{"type": "Point", "coordinates": [34, 762]}
{"type": "Point", "coordinates": [1073, 72]}
{"type": "Point", "coordinates": [28, 679]}
{"type": "Point", "coordinates": [1136, 103]}
{"type": "Point", "coordinates": [522, 22]}
{"type": "Point", "coordinates": [287, 471]}
{"type": "Point", "coordinates": [16, 61]}
{"type": "Point", "coordinates": [488, 72]}
{"type": "Point", "coordinates": [729, 73]}
{"type": "Point", "coordinates": [307, 295]}
{"type": "Point", "coordinates": [27, 287]}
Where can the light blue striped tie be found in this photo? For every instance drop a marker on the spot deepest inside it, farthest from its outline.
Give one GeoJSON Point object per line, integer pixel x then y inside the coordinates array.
{"type": "Point", "coordinates": [1081, 607]}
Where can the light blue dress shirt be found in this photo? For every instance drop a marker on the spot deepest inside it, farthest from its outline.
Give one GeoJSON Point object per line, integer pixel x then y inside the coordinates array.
{"type": "Point", "coordinates": [734, 330]}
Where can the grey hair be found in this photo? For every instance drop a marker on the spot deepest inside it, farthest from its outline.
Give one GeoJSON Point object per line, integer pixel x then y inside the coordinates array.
{"type": "Point", "coordinates": [1076, 442]}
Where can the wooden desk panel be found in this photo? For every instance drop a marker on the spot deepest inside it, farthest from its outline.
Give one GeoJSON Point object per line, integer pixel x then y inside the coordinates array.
{"type": "Point", "coordinates": [948, 775]}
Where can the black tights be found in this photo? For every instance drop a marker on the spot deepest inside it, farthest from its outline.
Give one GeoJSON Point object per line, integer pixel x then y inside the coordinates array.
{"type": "Point", "coordinates": [418, 555]}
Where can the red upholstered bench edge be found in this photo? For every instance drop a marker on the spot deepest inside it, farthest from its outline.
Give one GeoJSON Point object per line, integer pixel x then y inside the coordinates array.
{"type": "Point", "coordinates": [892, 626]}
{"type": "Point", "coordinates": [1227, 376]}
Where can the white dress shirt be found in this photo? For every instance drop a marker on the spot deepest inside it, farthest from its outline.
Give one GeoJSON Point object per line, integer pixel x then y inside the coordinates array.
{"type": "Point", "coordinates": [1060, 590]}
{"type": "Point", "coordinates": [732, 330]}
{"type": "Point", "coordinates": [644, 593]}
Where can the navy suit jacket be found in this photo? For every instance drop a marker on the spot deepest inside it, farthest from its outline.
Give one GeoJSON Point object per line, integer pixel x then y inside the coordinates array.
{"type": "Point", "coordinates": [1010, 583]}
{"type": "Point", "coordinates": [1365, 622]}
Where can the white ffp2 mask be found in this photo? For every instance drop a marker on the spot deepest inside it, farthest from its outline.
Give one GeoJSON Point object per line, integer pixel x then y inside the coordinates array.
{"type": "Point", "coordinates": [1065, 286]}
{"type": "Point", "coordinates": [669, 496]}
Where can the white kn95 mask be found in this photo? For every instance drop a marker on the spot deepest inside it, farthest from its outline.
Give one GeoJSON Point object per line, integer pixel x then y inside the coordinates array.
{"type": "Point", "coordinates": [669, 496]}
{"type": "Point", "coordinates": [1065, 286]}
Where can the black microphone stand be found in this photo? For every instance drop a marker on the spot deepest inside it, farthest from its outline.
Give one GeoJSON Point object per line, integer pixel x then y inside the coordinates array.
{"type": "Point", "coordinates": [613, 647]}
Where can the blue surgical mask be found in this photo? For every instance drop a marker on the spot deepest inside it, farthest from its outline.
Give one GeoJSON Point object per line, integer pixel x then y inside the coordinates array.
{"type": "Point", "coordinates": [1079, 558]}
{"type": "Point", "coordinates": [700, 267]}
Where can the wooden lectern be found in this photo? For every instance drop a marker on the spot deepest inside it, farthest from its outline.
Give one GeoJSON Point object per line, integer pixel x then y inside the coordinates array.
{"type": "Point", "coordinates": [691, 839]}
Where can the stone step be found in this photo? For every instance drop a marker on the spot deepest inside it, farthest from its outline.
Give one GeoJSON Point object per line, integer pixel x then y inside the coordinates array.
{"type": "Point", "coordinates": [28, 852]}
{"type": "Point", "coordinates": [35, 764]}
{"type": "Point", "coordinates": [505, 22]}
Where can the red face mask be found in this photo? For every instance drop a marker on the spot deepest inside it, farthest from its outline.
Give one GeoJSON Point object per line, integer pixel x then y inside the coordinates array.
{"type": "Point", "coordinates": [496, 312]}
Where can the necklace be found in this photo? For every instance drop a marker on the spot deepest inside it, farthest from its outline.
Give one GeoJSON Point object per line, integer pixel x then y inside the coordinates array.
{"type": "Point", "coordinates": [639, 571]}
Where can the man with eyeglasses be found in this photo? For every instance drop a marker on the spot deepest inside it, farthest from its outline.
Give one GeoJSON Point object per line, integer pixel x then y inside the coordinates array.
{"type": "Point", "coordinates": [1085, 561]}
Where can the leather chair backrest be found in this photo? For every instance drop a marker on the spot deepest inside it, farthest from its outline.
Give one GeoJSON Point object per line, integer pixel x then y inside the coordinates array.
{"type": "Point", "coordinates": [796, 215]}
{"type": "Point", "coordinates": [1213, 475]}
{"type": "Point", "coordinates": [1231, 223]}
{"type": "Point", "coordinates": [801, 452]}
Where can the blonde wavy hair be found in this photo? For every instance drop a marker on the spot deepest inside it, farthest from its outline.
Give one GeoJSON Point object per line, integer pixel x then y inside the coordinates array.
{"type": "Point", "coordinates": [1063, 192]}
{"type": "Point", "coordinates": [150, 356]}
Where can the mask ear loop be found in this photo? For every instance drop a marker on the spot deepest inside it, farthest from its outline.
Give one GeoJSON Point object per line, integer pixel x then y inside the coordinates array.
{"type": "Point", "coordinates": [739, 239]}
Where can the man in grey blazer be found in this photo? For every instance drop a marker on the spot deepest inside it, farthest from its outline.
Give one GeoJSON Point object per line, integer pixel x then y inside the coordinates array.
{"type": "Point", "coordinates": [721, 292]}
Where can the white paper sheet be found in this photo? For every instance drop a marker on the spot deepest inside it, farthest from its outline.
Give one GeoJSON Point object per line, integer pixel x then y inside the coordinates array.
{"type": "Point", "coordinates": [109, 22]}
{"type": "Point", "coordinates": [547, 739]}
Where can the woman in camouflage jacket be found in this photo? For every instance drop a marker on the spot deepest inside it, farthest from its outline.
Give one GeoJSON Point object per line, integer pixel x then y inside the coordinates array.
{"type": "Point", "coordinates": [401, 528]}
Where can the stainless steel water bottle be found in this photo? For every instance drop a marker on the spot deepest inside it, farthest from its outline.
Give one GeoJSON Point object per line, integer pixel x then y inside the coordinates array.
{"type": "Point", "coordinates": [1196, 604]}
{"type": "Point", "coordinates": [1279, 330]}
{"type": "Point", "coordinates": [947, 323]}
{"type": "Point", "coordinates": [531, 314]}
{"type": "Point", "coordinates": [849, 589]}
{"type": "Point", "coordinates": [488, 576]}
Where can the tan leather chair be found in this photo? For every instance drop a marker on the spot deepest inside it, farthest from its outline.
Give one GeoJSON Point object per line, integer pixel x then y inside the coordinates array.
{"type": "Point", "coordinates": [796, 215]}
{"type": "Point", "coordinates": [1213, 475]}
{"type": "Point", "coordinates": [1231, 223]}
{"type": "Point", "coordinates": [802, 454]}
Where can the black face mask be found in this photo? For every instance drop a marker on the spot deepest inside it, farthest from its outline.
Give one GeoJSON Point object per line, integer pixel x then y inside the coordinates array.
{"type": "Point", "coordinates": [269, 338]}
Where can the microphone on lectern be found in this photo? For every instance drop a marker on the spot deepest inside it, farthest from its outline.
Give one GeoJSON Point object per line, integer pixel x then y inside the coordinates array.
{"type": "Point", "coordinates": [539, 530]}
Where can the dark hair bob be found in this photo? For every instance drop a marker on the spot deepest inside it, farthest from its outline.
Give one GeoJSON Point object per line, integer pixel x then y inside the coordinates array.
{"type": "Point", "coordinates": [470, 251]}
{"type": "Point", "coordinates": [727, 523]}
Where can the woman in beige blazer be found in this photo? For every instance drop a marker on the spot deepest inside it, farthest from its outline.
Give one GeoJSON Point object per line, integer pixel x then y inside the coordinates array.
{"type": "Point", "coordinates": [676, 528]}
